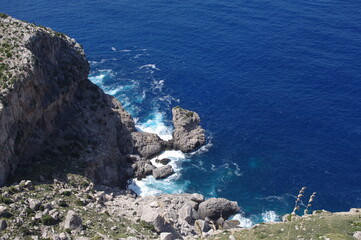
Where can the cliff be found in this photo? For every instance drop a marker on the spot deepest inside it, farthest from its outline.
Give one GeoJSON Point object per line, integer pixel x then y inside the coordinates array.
{"type": "Point", "coordinates": [53, 120]}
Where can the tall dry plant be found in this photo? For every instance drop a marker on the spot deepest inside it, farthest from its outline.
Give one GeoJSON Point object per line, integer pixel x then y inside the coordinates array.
{"type": "Point", "coordinates": [298, 200]}
{"type": "Point", "coordinates": [310, 202]}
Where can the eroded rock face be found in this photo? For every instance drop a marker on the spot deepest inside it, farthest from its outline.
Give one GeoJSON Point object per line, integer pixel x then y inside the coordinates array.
{"type": "Point", "coordinates": [188, 134]}
{"type": "Point", "coordinates": [214, 208]}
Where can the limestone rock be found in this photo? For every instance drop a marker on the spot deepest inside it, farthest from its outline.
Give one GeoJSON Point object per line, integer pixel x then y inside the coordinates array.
{"type": "Point", "coordinates": [34, 204]}
{"type": "Point", "coordinates": [142, 169]}
{"type": "Point", "coordinates": [151, 216]}
{"type": "Point", "coordinates": [188, 134]}
{"type": "Point", "coordinates": [147, 144]}
{"type": "Point", "coordinates": [196, 197]}
{"type": "Point", "coordinates": [228, 224]}
{"type": "Point", "coordinates": [185, 213]}
{"type": "Point", "coordinates": [202, 225]}
{"type": "Point", "coordinates": [163, 172]}
{"type": "Point", "coordinates": [357, 235]}
{"type": "Point", "coordinates": [166, 236]}
{"type": "Point", "coordinates": [213, 208]}
{"type": "Point", "coordinates": [72, 221]}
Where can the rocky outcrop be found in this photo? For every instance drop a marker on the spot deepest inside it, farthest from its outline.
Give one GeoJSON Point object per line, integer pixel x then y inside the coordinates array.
{"type": "Point", "coordinates": [53, 116]}
{"type": "Point", "coordinates": [163, 172]}
{"type": "Point", "coordinates": [188, 134]}
{"type": "Point", "coordinates": [214, 208]}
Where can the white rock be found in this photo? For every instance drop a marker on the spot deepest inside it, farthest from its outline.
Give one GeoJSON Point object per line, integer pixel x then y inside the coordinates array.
{"type": "Point", "coordinates": [166, 236]}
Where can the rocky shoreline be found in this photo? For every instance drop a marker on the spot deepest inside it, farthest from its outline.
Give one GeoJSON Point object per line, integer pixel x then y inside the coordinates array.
{"type": "Point", "coordinates": [77, 147]}
{"type": "Point", "coordinates": [55, 123]}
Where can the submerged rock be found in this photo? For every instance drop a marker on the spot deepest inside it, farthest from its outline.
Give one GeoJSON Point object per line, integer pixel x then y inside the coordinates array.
{"type": "Point", "coordinates": [188, 134]}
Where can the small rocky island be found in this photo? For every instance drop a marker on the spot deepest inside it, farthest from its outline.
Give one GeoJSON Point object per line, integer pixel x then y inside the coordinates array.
{"type": "Point", "coordinates": [68, 151]}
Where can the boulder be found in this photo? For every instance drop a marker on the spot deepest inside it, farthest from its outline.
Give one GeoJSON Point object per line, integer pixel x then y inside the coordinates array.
{"type": "Point", "coordinates": [142, 169]}
{"type": "Point", "coordinates": [166, 236]}
{"type": "Point", "coordinates": [34, 204]}
{"type": "Point", "coordinates": [147, 144]}
{"type": "Point", "coordinates": [196, 197]}
{"type": "Point", "coordinates": [228, 224]}
{"type": "Point", "coordinates": [163, 172]}
{"type": "Point", "coordinates": [151, 216]}
{"type": "Point", "coordinates": [188, 134]}
{"type": "Point", "coordinates": [163, 161]}
{"type": "Point", "coordinates": [202, 225]}
{"type": "Point", "coordinates": [4, 212]}
{"type": "Point", "coordinates": [185, 213]}
{"type": "Point", "coordinates": [214, 208]}
{"type": "Point", "coordinates": [357, 235]}
{"type": "Point", "coordinates": [72, 221]}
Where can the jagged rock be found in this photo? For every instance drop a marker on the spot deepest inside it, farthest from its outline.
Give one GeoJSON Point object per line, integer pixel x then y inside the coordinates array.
{"type": "Point", "coordinates": [228, 224]}
{"type": "Point", "coordinates": [142, 169]}
{"type": "Point", "coordinates": [166, 236]}
{"type": "Point", "coordinates": [34, 204]}
{"type": "Point", "coordinates": [213, 208]}
{"type": "Point", "coordinates": [188, 134]}
{"type": "Point", "coordinates": [163, 161]}
{"type": "Point", "coordinates": [220, 222]}
{"type": "Point", "coordinates": [163, 172]}
{"type": "Point", "coordinates": [202, 225]}
{"type": "Point", "coordinates": [72, 221]}
{"type": "Point", "coordinates": [4, 211]}
{"type": "Point", "coordinates": [196, 197]}
{"type": "Point", "coordinates": [185, 213]}
{"type": "Point", "coordinates": [154, 218]}
{"type": "Point", "coordinates": [147, 144]}
{"type": "Point", "coordinates": [3, 224]}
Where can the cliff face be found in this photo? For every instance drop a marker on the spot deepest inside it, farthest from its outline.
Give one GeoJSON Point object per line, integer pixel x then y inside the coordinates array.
{"type": "Point", "coordinates": [51, 115]}
{"type": "Point", "coordinates": [54, 121]}
{"type": "Point", "coordinates": [40, 73]}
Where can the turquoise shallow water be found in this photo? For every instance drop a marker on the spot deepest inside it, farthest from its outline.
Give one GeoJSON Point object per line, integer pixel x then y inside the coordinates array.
{"type": "Point", "coordinates": [276, 83]}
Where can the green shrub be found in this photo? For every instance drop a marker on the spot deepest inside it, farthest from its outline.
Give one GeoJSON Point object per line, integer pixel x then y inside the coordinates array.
{"type": "Point", "coordinates": [47, 220]}
{"type": "Point", "coordinates": [5, 200]}
{"type": "Point", "coordinates": [66, 193]}
{"type": "Point", "coordinates": [63, 204]}
{"type": "Point", "coordinates": [3, 15]}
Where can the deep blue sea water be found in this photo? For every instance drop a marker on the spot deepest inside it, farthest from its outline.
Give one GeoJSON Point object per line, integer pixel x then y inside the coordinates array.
{"type": "Point", "coordinates": [276, 83]}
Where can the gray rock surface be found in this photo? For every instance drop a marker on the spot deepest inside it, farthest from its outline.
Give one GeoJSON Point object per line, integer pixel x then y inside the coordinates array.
{"type": "Point", "coordinates": [151, 216]}
{"type": "Point", "coordinates": [357, 235]}
{"type": "Point", "coordinates": [72, 221]}
{"type": "Point", "coordinates": [185, 213]}
{"type": "Point", "coordinates": [34, 204]}
{"type": "Point", "coordinates": [166, 236]}
{"type": "Point", "coordinates": [163, 172]}
{"type": "Point", "coordinates": [188, 134]}
{"type": "Point", "coordinates": [213, 208]}
{"type": "Point", "coordinates": [147, 144]}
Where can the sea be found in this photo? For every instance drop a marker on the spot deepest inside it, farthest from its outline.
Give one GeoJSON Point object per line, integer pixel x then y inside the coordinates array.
{"type": "Point", "coordinates": [277, 84]}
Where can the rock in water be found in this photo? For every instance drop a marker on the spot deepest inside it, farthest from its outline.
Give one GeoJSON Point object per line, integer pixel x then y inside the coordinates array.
{"type": "Point", "coordinates": [188, 134]}
{"type": "Point", "coordinates": [214, 208]}
{"type": "Point", "coordinates": [163, 172]}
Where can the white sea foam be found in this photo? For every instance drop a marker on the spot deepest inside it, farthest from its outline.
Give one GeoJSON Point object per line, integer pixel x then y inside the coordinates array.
{"type": "Point", "coordinates": [114, 49]}
{"type": "Point", "coordinates": [243, 221]}
{"type": "Point", "coordinates": [151, 66]}
{"type": "Point", "coordinates": [270, 216]}
{"type": "Point", "coordinates": [99, 77]}
{"type": "Point", "coordinates": [125, 50]}
{"type": "Point", "coordinates": [155, 124]}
